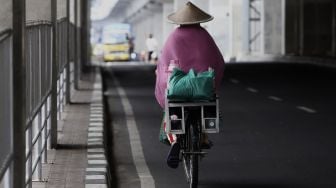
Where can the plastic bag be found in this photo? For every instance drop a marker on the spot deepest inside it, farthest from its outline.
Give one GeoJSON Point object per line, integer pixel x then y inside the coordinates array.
{"type": "Point", "coordinates": [191, 86]}
{"type": "Point", "coordinates": [163, 136]}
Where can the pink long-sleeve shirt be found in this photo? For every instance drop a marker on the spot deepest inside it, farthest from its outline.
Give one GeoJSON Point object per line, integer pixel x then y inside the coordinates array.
{"type": "Point", "coordinates": [193, 47]}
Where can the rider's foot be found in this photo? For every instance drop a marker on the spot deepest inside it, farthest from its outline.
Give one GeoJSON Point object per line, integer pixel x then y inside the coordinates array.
{"type": "Point", "coordinates": [173, 155]}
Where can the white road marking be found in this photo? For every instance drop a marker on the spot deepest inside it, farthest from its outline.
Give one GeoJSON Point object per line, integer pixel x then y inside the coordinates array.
{"type": "Point", "coordinates": [95, 139]}
{"type": "Point", "coordinates": [96, 169]}
{"type": "Point", "coordinates": [97, 162]}
{"type": "Point", "coordinates": [275, 98]}
{"type": "Point", "coordinates": [253, 90]}
{"type": "Point", "coordinates": [94, 134]}
{"type": "Point", "coordinates": [90, 156]}
{"type": "Point", "coordinates": [96, 124]}
{"type": "Point", "coordinates": [144, 174]}
{"type": "Point", "coordinates": [95, 186]}
{"type": "Point", "coordinates": [95, 177]}
{"type": "Point", "coordinates": [95, 129]}
{"type": "Point", "coordinates": [235, 81]}
{"type": "Point", "coordinates": [306, 109]}
{"type": "Point", "coordinates": [95, 150]}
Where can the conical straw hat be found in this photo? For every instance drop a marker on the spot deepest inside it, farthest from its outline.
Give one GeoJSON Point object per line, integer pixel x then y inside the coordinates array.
{"type": "Point", "coordinates": [189, 14]}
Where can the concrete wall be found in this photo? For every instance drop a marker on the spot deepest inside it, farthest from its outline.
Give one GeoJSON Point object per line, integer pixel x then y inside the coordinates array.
{"type": "Point", "coordinates": [6, 120]}
{"type": "Point", "coordinates": [6, 15]}
{"type": "Point", "coordinates": [293, 27]}
{"type": "Point", "coordinates": [310, 27]}
{"type": "Point", "coordinates": [38, 10]}
{"type": "Point", "coordinates": [61, 9]}
{"type": "Point", "coordinates": [273, 27]}
{"type": "Point", "coordinates": [167, 27]}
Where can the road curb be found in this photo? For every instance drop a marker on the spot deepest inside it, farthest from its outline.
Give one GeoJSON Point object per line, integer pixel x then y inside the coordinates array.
{"type": "Point", "coordinates": [97, 166]}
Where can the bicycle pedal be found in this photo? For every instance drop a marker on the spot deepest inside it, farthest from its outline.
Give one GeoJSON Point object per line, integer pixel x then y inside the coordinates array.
{"type": "Point", "coordinates": [196, 153]}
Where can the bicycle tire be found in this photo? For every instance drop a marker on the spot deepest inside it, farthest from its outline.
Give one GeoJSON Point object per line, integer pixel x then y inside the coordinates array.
{"type": "Point", "coordinates": [186, 156]}
{"type": "Point", "coordinates": [194, 159]}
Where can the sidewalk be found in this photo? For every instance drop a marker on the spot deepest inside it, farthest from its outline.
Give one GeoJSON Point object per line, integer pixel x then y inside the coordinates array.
{"type": "Point", "coordinates": [79, 161]}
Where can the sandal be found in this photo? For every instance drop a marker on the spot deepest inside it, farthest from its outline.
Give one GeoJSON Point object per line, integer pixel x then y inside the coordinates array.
{"type": "Point", "coordinates": [173, 155]}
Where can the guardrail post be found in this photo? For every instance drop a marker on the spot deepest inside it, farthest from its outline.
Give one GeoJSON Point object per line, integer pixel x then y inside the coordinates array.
{"type": "Point", "coordinates": [334, 29]}
{"type": "Point", "coordinates": [84, 35]}
{"type": "Point", "coordinates": [76, 67]}
{"type": "Point", "coordinates": [68, 91]}
{"type": "Point", "coordinates": [54, 75]}
{"type": "Point", "coordinates": [19, 103]}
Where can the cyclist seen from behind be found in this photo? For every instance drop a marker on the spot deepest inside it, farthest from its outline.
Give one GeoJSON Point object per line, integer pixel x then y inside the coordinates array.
{"type": "Point", "coordinates": [189, 46]}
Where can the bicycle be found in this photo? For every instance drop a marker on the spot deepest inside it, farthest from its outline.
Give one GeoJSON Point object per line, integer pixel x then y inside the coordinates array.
{"type": "Point", "coordinates": [189, 120]}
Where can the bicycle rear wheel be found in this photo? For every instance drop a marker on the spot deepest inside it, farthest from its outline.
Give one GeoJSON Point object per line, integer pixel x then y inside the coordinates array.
{"type": "Point", "coordinates": [190, 160]}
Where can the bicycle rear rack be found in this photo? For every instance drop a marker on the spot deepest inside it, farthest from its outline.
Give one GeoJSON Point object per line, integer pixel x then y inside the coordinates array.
{"type": "Point", "coordinates": [175, 115]}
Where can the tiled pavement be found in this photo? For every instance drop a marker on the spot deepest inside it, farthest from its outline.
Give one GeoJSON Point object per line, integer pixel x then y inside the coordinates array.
{"type": "Point", "coordinates": [69, 165]}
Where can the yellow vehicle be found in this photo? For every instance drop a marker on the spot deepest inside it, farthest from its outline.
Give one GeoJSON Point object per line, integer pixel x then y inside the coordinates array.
{"type": "Point", "coordinates": [116, 52]}
{"type": "Point", "coordinates": [115, 45]}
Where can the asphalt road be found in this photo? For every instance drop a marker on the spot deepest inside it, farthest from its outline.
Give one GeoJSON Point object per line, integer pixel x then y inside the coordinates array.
{"type": "Point", "coordinates": [279, 128]}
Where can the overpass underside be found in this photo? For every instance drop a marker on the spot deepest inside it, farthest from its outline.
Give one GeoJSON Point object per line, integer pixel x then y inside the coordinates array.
{"type": "Point", "coordinates": [242, 28]}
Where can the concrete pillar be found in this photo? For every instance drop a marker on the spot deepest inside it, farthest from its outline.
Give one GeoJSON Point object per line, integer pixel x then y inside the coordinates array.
{"type": "Point", "coordinates": [85, 35]}
{"type": "Point", "coordinates": [19, 103]}
{"type": "Point", "coordinates": [202, 4]}
{"type": "Point", "coordinates": [179, 3]}
{"type": "Point", "coordinates": [221, 26]}
{"type": "Point", "coordinates": [54, 122]}
{"type": "Point", "coordinates": [78, 24]}
{"type": "Point", "coordinates": [158, 26]}
{"type": "Point", "coordinates": [245, 27]}
{"type": "Point", "coordinates": [301, 28]}
{"type": "Point", "coordinates": [237, 29]}
{"type": "Point", "coordinates": [6, 98]}
{"type": "Point", "coordinates": [168, 8]}
{"type": "Point", "coordinates": [273, 27]}
{"type": "Point", "coordinates": [334, 29]}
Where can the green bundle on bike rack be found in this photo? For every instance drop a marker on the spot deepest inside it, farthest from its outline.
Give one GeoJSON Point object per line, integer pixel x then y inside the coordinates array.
{"type": "Point", "coordinates": [191, 86]}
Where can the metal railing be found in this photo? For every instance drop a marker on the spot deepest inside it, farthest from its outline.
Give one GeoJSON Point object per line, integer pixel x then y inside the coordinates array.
{"type": "Point", "coordinates": [38, 92]}
{"type": "Point", "coordinates": [37, 82]}
{"type": "Point", "coordinates": [6, 122]}
{"type": "Point", "coordinates": [62, 30]}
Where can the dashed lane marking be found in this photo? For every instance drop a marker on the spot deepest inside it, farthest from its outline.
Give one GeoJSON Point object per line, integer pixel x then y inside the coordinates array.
{"type": "Point", "coordinates": [306, 109]}
{"type": "Point", "coordinates": [253, 90]}
{"type": "Point", "coordinates": [235, 81]}
{"type": "Point", "coordinates": [275, 98]}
